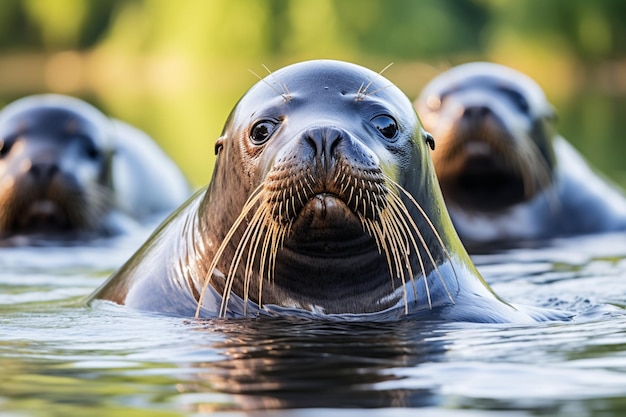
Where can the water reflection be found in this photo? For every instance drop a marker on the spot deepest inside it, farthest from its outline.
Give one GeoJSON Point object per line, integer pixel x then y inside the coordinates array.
{"type": "Point", "coordinates": [60, 357]}
{"type": "Point", "coordinates": [294, 363]}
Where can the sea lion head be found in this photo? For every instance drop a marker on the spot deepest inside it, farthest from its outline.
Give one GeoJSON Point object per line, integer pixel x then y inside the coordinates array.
{"type": "Point", "coordinates": [324, 196]}
{"type": "Point", "coordinates": [494, 128]}
{"type": "Point", "coordinates": [55, 156]}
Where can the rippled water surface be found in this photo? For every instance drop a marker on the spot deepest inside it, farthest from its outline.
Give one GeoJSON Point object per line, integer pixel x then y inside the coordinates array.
{"type": "Point", "coordinates": [59, 357]}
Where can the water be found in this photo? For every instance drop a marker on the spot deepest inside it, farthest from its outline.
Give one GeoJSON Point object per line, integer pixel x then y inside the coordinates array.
{"type": "Point", "coordinates": [59, 357]}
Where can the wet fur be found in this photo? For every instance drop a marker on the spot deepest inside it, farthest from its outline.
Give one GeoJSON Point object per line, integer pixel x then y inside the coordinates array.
{"type": "Point", "coordinates": [530, 185]}
{"type": "Point", "coordinates": [55, 167]}
{"type": "Point", "coordinates": [326, 217]}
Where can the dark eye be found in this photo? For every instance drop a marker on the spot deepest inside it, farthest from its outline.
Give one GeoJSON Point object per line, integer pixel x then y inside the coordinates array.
{"type": "Point", "coordinates": [90, 148]}
{"type": "Point", "coordinates": [521, 102]}
{"type": "Point", "coordinates": [518, 99]}
{"type": "Point", "coordinates": [5, 146]}
{"type": "Point", "coordinates": [93, 152]}
{"type": "Point", "coordinates": [386, 125]}
{"type": "Point", "coordinates": [261, 131]}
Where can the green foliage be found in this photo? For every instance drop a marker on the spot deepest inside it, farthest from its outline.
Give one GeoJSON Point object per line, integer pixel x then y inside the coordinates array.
{"type": "Point", "coordinates": [176, 68]}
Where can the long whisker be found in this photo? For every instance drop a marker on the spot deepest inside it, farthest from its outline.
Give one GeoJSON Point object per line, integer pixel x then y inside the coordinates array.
{"type": "Point", "coordinates": [243, 243]}
{"type": "Point", "coordinates": [403, 213]}
{"type": "Point", "coordinates": [399, 214]}
{"type": "Point", "coordinates": [252, 200]}
{"type": "Point", "coordinates": [432, 227]}
{"type": "Point", "coordinates": [543, 172]}
{"type": "Point", "coordinates": [362, 92]}
{"type": "Point", "coordinates": [280, 93]}
{"type": "Point", "coordinates": [401, 248]}
{"type": "Point", "coordinates": [286, 95]}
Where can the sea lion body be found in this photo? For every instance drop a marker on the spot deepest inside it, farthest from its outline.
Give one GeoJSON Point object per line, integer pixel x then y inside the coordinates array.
{"type": "Point", "coordinates": [506, 174]}
{"type": "Point", "coordinates": [319, 204]}
{"type": "Point", "coordinates": [66, 169]}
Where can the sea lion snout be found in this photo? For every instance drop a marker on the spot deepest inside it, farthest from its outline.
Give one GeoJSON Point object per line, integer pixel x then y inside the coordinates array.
{"type": "Point", "coordinates": [43, 171]}
{"type": "Point", "coordinates": [323, 141]}
{"type": "Point", "coordinates": [476, 111]}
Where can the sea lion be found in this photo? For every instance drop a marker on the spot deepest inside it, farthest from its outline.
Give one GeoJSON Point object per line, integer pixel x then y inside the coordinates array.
{"type": "Point", "coordinates": [323, 202]}
{"type": "Point", "coordinates": [67, 169]}
{"type": "Point", "coordinates": [506, 174]}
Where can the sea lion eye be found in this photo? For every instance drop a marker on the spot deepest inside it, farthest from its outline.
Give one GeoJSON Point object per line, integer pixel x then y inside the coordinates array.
{"type": "Point", "coordinates": [92, 152]}
{"type": "Point", "coordinates": [518, 99]}
{"type": "Point", "coordinates": [386, 125]}
{"type": "Point", "coordinates": [5, 146]}
{"type": "Point", "coordinates": [261, 131]}
{"type": "Point", "coordinates": [89, 147]}
{"type": "Point", "coordinates": [521, 102]}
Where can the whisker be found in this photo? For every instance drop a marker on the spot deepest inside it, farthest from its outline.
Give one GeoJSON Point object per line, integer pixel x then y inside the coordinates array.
{"type": "Point", "coordinates": [252, 200]}
{"type": "Point", "coordinates": [386, 250]}
{"type": "Point", "coordinates": [544, 173]}
{"type": "Point", "coordinates": [434, 230]}
{"type": "Point", "coordinates": [362, 92]}
{"type": "Point", "coordinates": [398, 249]}
{"type": "Point", "coordinates": [280, 93]}
{"type": "Point", "coordinates": [264, 251]}
{"type": "Point", "coordinates": [257, 233]}
{"type": "Point", "coordinates": [286, 95]}
{"type": "Point", "coordinates": [379, 89]}
{"type": "Point", "coordinates": [401, 213]}
{"type": "Point", "coordinates": [237, 257]}
{"type": "Point", "coordinates": [408, 236]}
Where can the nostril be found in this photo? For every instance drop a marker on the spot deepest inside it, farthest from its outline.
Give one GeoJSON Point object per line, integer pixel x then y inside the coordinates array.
{"type": "Point", "coordinates": [476, 111]}
{"type": "Point", "coordinates": [324, 141]}
{"type": "Point", "coordinates": [43, 171]}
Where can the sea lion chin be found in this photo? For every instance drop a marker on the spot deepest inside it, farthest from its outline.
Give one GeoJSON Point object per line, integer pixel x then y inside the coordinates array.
{"type": "Point", "coordinates": [323, 201]}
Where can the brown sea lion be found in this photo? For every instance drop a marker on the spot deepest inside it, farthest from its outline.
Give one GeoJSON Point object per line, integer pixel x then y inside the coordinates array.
{"type": "Point", "coordinates": [67, 169]}
{"type": "Point", "coordinates": [323, 202]}
{"type": "Point", "coordinates": [505, 172]}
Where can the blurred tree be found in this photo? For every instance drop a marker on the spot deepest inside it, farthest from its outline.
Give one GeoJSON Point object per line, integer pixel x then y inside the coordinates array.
{"type": "Point", "coordinates": [176, 68]}
{"type": "Point", "coordinates": [413, 29]}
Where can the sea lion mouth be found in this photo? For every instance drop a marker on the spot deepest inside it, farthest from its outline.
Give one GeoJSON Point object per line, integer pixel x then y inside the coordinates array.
{"type": "Point", "coordinates": [486, 167]}
{"type": "Point", "coordinates": [343, 192]}
{"type": "Point", "coordinates": [62, 207]}
{"type": "Point", "coordinates": [478, 148]}
{"type": "Point", "coordinates": [327, 207]}
{"type": "Point", "coordinates": [43, 214]}
{"type": "Point", "coordinates": [320, 233]}
{"type": "Point", "coordinates": [326, 217]}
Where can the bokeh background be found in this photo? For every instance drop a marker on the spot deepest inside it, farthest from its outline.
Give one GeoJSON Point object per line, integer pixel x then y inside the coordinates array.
{"type": "Point", "coordinates": [176, 68]}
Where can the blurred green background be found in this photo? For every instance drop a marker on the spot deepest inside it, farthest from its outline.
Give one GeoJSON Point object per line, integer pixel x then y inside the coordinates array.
{"type": "Point", "coordinates": [176, 68]}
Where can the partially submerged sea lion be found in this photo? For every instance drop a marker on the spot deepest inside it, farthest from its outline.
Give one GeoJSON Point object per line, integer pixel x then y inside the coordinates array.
{"type": "Point", "coordinates": [505, 172]}
{"type": "Point", "coordinates": [65, 168]}
{"type": "Point", "coordinates": [323, 201]}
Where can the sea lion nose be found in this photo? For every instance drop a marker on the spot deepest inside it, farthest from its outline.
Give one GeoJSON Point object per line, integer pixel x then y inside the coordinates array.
{"type": "Point", "coordinates": [476, 111]}
{"type": "Point", "coordinates": [324, 140]}
{"type": "Point", "coordinates": [43, 172]}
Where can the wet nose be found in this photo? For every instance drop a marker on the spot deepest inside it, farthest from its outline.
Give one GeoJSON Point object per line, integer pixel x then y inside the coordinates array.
{"type": "Point", "coordinates": [324, 140]}
{"type": "Point", "coordinates": [476, 111]}
{"type": "Point", "coordinates": [42, 172]}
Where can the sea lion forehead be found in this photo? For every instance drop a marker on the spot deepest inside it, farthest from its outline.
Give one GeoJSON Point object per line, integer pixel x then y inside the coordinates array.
{"type": "Point", "coordinates": [483, 74]}
{"type": "Point", "coordinates": [324, 79]}
{"type": "Point", "coordinates": [77, 115]}
{"type": "Point", "coordinates": [323, 87]}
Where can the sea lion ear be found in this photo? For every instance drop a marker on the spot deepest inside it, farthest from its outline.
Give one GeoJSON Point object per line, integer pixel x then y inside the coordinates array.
{"type": "Point", "coordinates": [553, 115]}
{"type": "Point", "coordinates": [219, 144]}
{"type": "Point", "coordinates": [429, 139]}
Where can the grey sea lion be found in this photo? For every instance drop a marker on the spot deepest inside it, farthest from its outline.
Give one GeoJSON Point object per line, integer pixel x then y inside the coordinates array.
{"type": "Point", "coordinates": [67, 169]}
{"type": "Point", "coordinates": [506, 174]}
{"type": "Point", "coordinates": [323, 202]}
